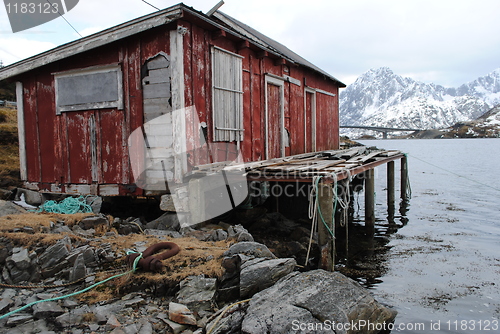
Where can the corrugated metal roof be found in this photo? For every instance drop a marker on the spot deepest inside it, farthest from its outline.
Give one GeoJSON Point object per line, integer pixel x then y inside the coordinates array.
{"type": "Point", "coordinates": [262, 39]}
{"type": "Point", "coordinates": [219, 19]}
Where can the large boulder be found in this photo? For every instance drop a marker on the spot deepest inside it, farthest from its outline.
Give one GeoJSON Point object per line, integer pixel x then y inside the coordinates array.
{"type": "Point", "coordinates": [259, 274]}
{"type": "Point", "coordinates": [311, 302]}
{"type": "Point", "coordinates": [249, 248]}
{"type": "Point", "coordinates": [9, 208]}
{"type": "Point", "coordinates": [316, 300]}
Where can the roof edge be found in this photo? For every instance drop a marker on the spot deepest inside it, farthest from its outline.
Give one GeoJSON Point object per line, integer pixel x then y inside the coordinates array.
{"type": "Point", "coordinates": [93, 41]}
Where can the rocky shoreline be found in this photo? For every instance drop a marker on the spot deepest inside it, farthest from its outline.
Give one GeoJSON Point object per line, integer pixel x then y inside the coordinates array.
{"type": "Point", "coordinates": [222, 281]}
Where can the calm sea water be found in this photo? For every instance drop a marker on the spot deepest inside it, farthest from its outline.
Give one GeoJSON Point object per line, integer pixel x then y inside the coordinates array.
{"type": "Point", "coordinates": [439, 264]}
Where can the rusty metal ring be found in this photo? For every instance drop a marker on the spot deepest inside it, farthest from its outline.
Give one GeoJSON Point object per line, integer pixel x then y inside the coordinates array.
{"type": "Point", "coordinates": [151, 262]}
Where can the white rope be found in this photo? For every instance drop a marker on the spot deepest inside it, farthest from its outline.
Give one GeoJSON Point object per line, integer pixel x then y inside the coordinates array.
{"type": "Point", "coordinates": [313, 215]}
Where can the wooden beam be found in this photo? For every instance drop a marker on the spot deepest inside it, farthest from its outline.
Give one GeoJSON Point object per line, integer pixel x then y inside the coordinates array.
{"type": "Point", "coordinates": [370, 200]}
{"type": "Point", "coordinates": [390, 190]}
{"type": "Point", "coordinates": [404, 178]}
{"type": "Point", "coordinates": [262, 54]}
{"type": "Point", "coordinates": [280, 61]}
{"type": "Point", "coordinates": [218, 34]}
{"type": "Point", "coordinates": [325, 239]}
{"type": "Point", "coordinates": [244, 45]}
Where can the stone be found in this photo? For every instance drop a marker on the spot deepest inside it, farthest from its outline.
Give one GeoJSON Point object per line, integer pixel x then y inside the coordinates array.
{"type": "Point", "coordinates": [259, 274]}
{"type": "Point", "coordinates": [249, 248]}
{"type": "Point", "coordinates": [47, 310]}
{"type": "Point", "coordinates": [175, 327]}
{"type": "Point", "coordinates": [30, 197]}
{"type": "Point", "coordinates": [146, 328]}
{"type": "Point", "coordinates": [113, 322]}
{"type": "Point", "coordinates": [167, 221]}
{"type": "Point", "coordinates": [9, 208]}
{"type": "Point", "coordinates": [312, 298]}
{"type": "Point", "coordinates": [167, 203]}
{"type": "Point", "coordinates": [73, 318]}
{"type": "Point", "coordinates": [93, 222]}
{"type": "Point", "coordinates": [55, 253]}
{"type": "Point", "coordinates": [79, 269]}
{"type": "Point", "coordinates": [197, 293]}
{"type": "Point", "coordinates": [5, 304]}
{"type": "Point", "coordinates": [172, 234]}
{"type": "Point", "coordinates": [217, 235]}
{"type": "Point", "coordinates": [21, 258]}
{"type": "Point", "coordinates": [239, 233]}
{"type": "Point", "coordinates": [181, 314]}
{"type": "Point", "coordinates": [17, 319]}
{"type": "Point", "coordinates": [230, 323]}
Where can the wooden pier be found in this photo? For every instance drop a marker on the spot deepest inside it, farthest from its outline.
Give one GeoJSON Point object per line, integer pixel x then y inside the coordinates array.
{"type": "Point", "coordinates": [328, 171]}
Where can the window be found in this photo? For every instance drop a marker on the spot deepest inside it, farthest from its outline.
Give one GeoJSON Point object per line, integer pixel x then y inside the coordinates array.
{"type": "Point", "coordinates": [227, 92]}
{"type": "Point", "coordinates": [91, 88]}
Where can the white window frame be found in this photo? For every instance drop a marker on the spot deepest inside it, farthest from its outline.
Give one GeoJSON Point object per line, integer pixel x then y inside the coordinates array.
{"type": "Point", "coordinates": [117, 103]}
{"type": "Point", "coordinates": [227, 122]}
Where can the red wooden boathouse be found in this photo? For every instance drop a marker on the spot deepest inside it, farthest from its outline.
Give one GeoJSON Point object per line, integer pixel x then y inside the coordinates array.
{"type": "Point", "coordinates": [79, 103]}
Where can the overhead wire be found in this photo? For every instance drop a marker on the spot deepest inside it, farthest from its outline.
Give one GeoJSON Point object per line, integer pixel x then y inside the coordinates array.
{"type": "Point", "coordinates": [61, 15]}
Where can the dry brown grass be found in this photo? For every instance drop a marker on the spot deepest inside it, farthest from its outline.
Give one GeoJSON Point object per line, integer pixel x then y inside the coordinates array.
{"type": "Point", "coordinates": [9, 151]}
{"type": "Point", "coordinates": [39, 221]}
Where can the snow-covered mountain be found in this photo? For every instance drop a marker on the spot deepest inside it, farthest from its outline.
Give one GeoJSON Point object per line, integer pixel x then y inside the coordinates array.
{"type": "Point", "coordinates": [382, 98]}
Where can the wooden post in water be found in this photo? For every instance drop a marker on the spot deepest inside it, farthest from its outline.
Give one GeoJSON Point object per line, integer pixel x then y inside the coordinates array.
{"type": "Point", "coordinates": [325, 239]}
{"type": "Point", "coordinates": [404, 178]}
{"type": "Point", "coordinates": [370, 200]}
{"type": "Point", "coordinates": [390, 190]}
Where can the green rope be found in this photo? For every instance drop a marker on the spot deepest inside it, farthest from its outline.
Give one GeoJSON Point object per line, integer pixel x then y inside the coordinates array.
{"type": "Point", "coordinates": [334, 206]}
{"type": "Point", "coordinates": [69, 205]}
{"type": "Point", "coordinates": [134, 268]}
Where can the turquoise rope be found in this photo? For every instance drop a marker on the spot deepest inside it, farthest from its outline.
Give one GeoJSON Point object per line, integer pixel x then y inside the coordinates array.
{"type": "Point", "coordinates": [319, 207]}
{"type": "Point", "coordinates": [134, 268]}
{"type": "Point", "coordinates": [69, 205]}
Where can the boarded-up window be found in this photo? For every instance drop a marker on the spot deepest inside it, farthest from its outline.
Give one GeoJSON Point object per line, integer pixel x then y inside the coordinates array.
{"type": "Point", "coordinates": [92, 88]}
{"type": "Point", "coordinates": [227, 95]}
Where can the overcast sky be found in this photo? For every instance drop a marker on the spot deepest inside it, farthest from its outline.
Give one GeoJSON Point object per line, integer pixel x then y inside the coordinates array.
{"type": "Point", "coordinates": [447, 42]}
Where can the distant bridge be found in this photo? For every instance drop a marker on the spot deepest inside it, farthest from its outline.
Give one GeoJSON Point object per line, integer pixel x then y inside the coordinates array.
{"type": "Point", "coordinates": [377, 128]}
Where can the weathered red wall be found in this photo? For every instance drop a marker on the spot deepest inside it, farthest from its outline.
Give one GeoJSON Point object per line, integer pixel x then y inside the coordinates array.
{"type": "Point", "coordinates": [58, 146]}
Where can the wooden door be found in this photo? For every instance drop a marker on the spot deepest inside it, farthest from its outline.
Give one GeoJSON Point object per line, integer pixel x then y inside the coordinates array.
{"type": "Point", "coordinates": [274, 118]}
{"type": "Point", "coordinates": [310, 121]}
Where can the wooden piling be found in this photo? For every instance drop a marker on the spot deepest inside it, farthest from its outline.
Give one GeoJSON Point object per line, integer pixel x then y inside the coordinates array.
{"type": "Point", "coordinates": [325, 239]}
{"type": "Point", "coordinates": [370, 199]}
{"type": "Point", "coordinates": [404, 178]}
{"type": "Point", "coordinates": [390, 190]}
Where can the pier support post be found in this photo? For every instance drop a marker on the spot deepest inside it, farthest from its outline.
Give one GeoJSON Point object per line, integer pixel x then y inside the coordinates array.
{"type": "Point", "coordinates": [325, 239]}
{"type": "Point", "coordinates": [370, 200]}
{"type": "Point", "coordinates": [404, 178]}
{"type": "Point", "coordinates": [390, 190]}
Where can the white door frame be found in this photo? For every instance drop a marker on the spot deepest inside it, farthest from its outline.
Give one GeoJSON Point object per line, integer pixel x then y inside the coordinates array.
{"type": "Point", "coordinates": [313, 118]}
{"type": "Point", "coordinates": [271, 80]}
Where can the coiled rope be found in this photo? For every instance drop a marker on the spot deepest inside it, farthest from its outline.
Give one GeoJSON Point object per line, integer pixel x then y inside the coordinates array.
{"type": "Point", "coordinates": [69, 205]}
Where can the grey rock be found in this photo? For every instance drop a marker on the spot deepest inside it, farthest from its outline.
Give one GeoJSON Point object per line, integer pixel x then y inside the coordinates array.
{"type": "Point", "coordinates": [239, 233]}
{"type": "Point", "coordinates": [55, 253]}
{"type": "Point", "coordinates": [180, 314]}
{"type": "Point", "coordinates": [146, 327]}
{"type": "Point", "coordinates": [167, 221]}
{"type": "Point", "coordinates": [31, 197]}
{"type": "Point", "coordinates": [21, 258]}
{"type": "Point", "coordinates": [47, 309]}
{"type": "Point", "coordinates": [312, 297]}
{"type": "Point", "coordinates": [258, 274]}
{"type": "Point", "coordinates": [72, 318]}
{"type": "Point", "coordinates": [9, 208]}
{"type": "Point", "coordinates": [249, 248]}
{"type": "Point", "coordinates": [175, 327]}
{"type": "Point", "coordinates": [17, 319]}
{"type": "Point", "coordinates": [93, 222]}
{"type": "Point", "coordinates": [217, 235]}
{"type": "Point", "coordinates": [197, 292]}
{"type": "Point", "coordinates": [172, 234]}
{"type": "Point", "coordinates": [230, 323]}
{"type": "Point", "coordinates": [5, 303]}
{"type": "Point", "coordinates": [79, 269]}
